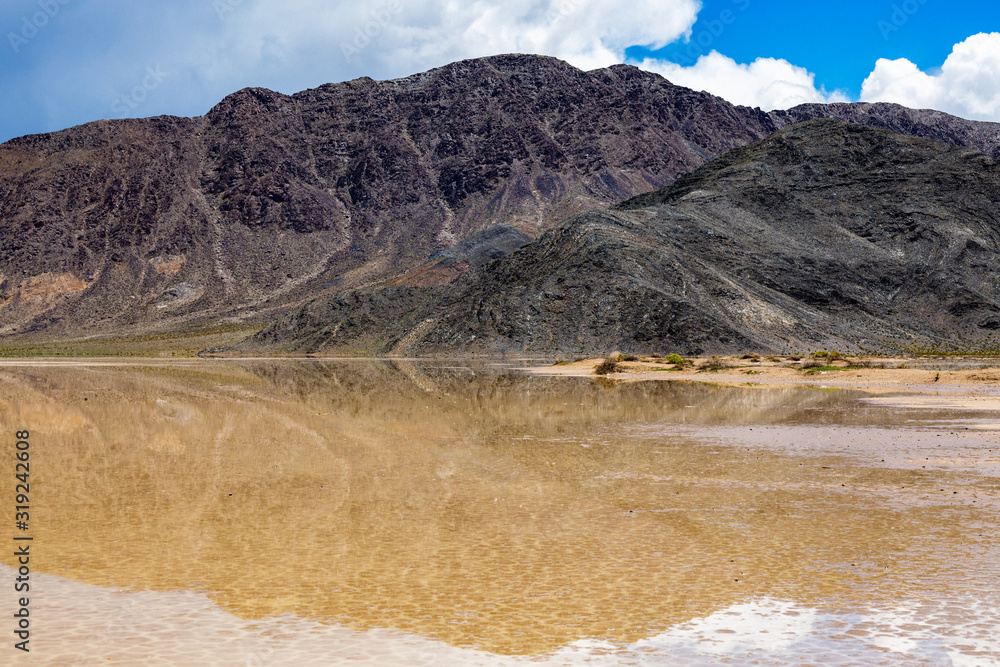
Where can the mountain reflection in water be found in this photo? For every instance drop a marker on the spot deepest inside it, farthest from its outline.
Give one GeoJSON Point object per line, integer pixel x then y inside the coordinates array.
{"type": "Point", "coordinates": [489, 509]}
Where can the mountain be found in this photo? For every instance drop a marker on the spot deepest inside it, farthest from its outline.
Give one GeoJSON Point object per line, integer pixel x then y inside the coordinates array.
{"type": "Point", "coordinates": [826, 234]}
{"type": "Point", "coordinates": [926, 123]}
{"type": "Point", "coordinates": [270, 200]}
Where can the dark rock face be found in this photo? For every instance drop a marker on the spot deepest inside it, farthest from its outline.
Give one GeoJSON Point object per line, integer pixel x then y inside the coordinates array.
{"type": "Point", "coordinates": [929, 124]}
{"type": "Point", "coordinates": [475, 250]}
{"type": "Point", "coordinates": [825, 234]}
{"type": "Point", "coordinates": [270, 200]}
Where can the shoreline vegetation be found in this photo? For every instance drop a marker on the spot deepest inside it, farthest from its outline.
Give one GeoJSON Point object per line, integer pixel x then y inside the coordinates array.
{"type": "Point", "coordinates": [827, 371]}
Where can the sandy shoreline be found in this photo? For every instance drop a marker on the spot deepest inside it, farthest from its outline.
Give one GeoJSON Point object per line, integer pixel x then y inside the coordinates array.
{"type": "Point", "coordinates": [887, 380]}
{"type": "Point", "coordinates": [955, 383]}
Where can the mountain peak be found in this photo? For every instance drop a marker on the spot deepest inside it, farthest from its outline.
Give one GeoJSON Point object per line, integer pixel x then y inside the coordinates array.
{"type": "Point", "coordinates": [270, 198]}
{"type": "Point", "coordinates": [825, 234]}
{"type": "Point", "coordinates": [818, 146]}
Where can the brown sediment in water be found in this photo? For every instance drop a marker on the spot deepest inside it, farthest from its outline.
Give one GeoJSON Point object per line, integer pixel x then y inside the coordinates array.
{"type": "Point", "coordinates": [507, 513]}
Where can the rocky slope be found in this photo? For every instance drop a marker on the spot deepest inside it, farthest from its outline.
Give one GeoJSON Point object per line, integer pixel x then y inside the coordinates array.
{"type": "Point", "coordinates": [825, 234]}
{"type": "Point", "coordinates": [268, 200]}
{"type": "Point", "coordinates": [926, 123]}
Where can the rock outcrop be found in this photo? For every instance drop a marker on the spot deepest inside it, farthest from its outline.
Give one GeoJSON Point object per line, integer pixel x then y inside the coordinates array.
{"type": "Point", "coordinates": [826, 234]}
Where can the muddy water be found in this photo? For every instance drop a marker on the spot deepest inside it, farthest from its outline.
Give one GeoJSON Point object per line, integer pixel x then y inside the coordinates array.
{"type": "Point", "coordinates": [393, 513]}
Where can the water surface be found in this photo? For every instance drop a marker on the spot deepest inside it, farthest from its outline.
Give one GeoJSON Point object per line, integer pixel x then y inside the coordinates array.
{"type": "Point", "coordinates": [279, 512]}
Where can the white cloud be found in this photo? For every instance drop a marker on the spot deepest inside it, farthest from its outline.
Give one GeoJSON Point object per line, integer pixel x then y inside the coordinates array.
{"type": "Point", "coordinates": [768, 83]}
{"type": "Point", "coordinates": [395, 37]}
{"type": "Point", "coordinates": [967, 85]}
{"type": "Point", "coordinates": [95, 53]}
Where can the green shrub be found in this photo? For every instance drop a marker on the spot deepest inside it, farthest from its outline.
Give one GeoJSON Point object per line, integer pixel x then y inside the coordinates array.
{"type": "Point", "coordinates": [820, 368]}
{"type": "Point", "coordinates": [675, 359]}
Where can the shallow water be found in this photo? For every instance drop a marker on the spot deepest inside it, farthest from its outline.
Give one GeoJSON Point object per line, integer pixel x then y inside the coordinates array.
{"type": "Point", "coordinates": [250, 512]}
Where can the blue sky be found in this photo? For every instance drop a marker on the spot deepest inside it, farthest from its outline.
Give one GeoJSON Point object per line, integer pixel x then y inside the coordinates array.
{"type": "Point", "coordinates": [838, 41]}
{"type": "Point", "coordinates": [66, 62]}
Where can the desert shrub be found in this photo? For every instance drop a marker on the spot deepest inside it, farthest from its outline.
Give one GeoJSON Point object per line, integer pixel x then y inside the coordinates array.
{"type": "Point", "coordinates": [813, 363]}
{"type": "Point", "coordinates": [822, 354]}
{"type": "Point", "coordinates": [714, 364]}
{"type": "Point", "coordinates": [858, 364]}
{"type": "Point", "coordinates": [675, 359]}
{"type": "Point", "coordinates": [750, 356]}
{"type": "Point", "coordinates": [609, 365]}
{"type": "Point", "coordinates": [628, 357]}
{"type": "Point", "coordinates": [834, 355]}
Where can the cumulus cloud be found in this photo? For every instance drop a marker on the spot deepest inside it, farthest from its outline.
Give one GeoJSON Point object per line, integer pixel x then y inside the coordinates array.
{"type": "Point", "coordinates": [92, 60]}
{"type": "Point", "coordinates": [967, 85]}
{"type": "Point", "coordinates": [587, 33]}
{"type": "Point", "coordinates": [768, 83]}
{"type": "Point", "coordinates": [394, 37]}
{"type": "Point", "coordinates": [91, 56]}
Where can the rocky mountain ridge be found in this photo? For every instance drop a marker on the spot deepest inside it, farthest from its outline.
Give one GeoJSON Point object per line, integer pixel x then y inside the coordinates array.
{"type": "Point", "coordinates": [270, 200]}
{"type": "Point", "coordinates": [825, 234]}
